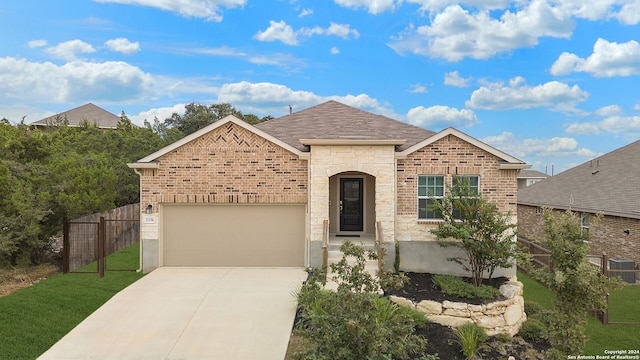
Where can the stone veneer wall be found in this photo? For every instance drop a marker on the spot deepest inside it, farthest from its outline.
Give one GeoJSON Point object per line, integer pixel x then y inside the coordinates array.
{"type": "Point", "coordinates": [502, 316]}
{"type": "Point", "coordinates": [606, 236]}
{"type": "Point", "coordinates": [375, 160]}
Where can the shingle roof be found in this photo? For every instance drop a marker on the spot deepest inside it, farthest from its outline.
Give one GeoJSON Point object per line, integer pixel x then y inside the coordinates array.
{"type": "Point", "coordinates": [532, 174]}
{"type": "Point", "coordinates": [609, 184]}
{"type": "Point", "coordinates": [333, 120]}
{"type": "Point", "coordinates": [90, 112]}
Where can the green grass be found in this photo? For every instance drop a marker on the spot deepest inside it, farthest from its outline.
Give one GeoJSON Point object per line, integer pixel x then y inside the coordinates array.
{"type": "Point", "coordinates": [35, 318]}
{"type": "Point", "coordinates": [624, 306]}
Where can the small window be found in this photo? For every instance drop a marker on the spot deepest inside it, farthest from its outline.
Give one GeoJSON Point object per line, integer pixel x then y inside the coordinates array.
{"type": "Point", "coordinates": [584, 222]}
{"type": "Point", "coordinates": [430, 189]}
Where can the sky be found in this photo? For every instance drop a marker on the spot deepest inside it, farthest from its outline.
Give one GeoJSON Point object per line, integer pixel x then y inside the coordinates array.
{"type": "Point", "coordinates": [554, 83]}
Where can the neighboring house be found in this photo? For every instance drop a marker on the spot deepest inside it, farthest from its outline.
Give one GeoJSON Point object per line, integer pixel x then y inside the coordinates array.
{"type": "Point", "coordinates": [608, 185]}
{"type": "Point", "coordinates": [88, 113]}
{"type": "Point", "coordinates": [236, 194]}
{"type": "Point", "coordinates": [530, 177]}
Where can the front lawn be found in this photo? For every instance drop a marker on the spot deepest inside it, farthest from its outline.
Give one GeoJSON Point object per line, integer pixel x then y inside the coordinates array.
{"type": "Point", "coordinates": [36, 317]}
{"type": "Point", "coordinates": [624, 306]}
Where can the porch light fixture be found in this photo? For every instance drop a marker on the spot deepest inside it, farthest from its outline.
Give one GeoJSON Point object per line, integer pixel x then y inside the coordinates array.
{"type": "Point", "coordinates": [627, 231]}
{"type": "Point", "coordinates": [148, 209]}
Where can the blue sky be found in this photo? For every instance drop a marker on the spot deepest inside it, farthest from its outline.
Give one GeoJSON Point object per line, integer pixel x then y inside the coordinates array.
{"type": "Point", "coordinates": [552, 82]}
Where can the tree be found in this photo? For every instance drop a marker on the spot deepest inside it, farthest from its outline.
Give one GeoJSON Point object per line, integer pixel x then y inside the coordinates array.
{"type": "Point", "coordinates": [578, 286]}
{"type": "Point", "coordinates": [478, 228]}
{"type": "Point", "coordinates": [198, 116]}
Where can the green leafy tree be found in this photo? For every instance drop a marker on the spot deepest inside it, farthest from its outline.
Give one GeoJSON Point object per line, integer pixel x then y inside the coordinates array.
{"type": "Point", "coordinates": [479, 229]}
{"type": "Point", "coordinates": [578, 286]}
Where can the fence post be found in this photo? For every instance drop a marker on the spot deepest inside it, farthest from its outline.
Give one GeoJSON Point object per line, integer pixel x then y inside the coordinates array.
{"type": "Point", "coordinates": [605, 315]}
{"type": "Point", "coordinates": [605, 264]}
{"type": "Point", "coordinates": [65, 245]}
{"type": "Point", "coordinates": [101, 245]}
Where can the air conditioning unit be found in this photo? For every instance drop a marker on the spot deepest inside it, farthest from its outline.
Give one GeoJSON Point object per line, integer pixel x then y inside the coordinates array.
{"type": "Point", "coordinates": [623, 264]}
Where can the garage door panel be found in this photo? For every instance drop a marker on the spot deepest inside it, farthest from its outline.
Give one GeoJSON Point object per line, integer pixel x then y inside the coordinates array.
{"type": "Point", "coordinates": [233, 235]}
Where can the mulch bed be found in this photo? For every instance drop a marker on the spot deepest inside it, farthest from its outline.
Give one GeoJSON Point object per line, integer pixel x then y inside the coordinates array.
{"type": "Point", "coordinates": [421, 287]}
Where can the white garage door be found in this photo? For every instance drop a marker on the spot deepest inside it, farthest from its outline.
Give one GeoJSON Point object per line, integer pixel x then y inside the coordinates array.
{"type": "Point", "coordinates": [233, 235]}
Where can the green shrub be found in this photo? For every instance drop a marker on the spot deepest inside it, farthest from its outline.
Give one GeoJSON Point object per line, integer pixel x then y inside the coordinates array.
{"type": "Point", "coordinates": [455, 286]}
{"type": "Point", "coordinates": [471, 338]}
{"type": "Point", "coordinates": [533, 330]}
{"type": "Point", "coordinates": [532, 308]}
{"type": "Point", "coordinates": [504, 337]}
{"type": "Point", "coordinates": [354, 322]}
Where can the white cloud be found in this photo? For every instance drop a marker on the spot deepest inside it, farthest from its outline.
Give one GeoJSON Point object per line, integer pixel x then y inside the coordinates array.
{"type": "Point", "coordinates": [274, 99]}
{"type": "Point", "coordinates": [373, 6]}
{"type": "Point", "coordinates": [636, 107]}
{"type": "Point", "coordinates": [441, 116]}
{"type": "Point", "coordinates": [208, 9]}
{"type": "Point", "coordinates": [456, 33]}
{"type": "Point", "coordinates": [122, 45]}
{"type": "Point", "coordinates": [342, 30]}
{"type": "Point", "coordinates": [518, 95]}
{"type": "Point", "coordinates": [278, 31]}
{"type": "Point", "coordinates": [607, 60]}
{"type": "Point", "coordinates": [550, 147]}
{"type": "Point", "coordinates": [613, 124]}
{"type": "Point", "coordinates": [75, 81]}
{"type": "Point", "coordinates": [610, 110]}
{"type": "Point", "coordinates": [334, 51]}
{"type": "Point", "coordinates": [160, 113]}
{"type": "Point", "coordinates": [454, 79]}
{"type": "Point", "coordinates": [418, 89]}
{"type": "Point", "coordinates": [37, 43]}
{"type": "Point", "coordinates": [67, 50]}
{"type": "Point", "coordinates": [305, 12]}
{"type": "Point", "coordinates": [281, 31]}
{"type": "Point", "coordinates": [431, 6]}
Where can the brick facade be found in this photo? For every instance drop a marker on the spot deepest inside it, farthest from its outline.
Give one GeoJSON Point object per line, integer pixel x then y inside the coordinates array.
{"type": "Point", "coordinates": [228, 165]}
{"type": "Point", "coordinates": [607, 235]}
{"type": "Point", "coordinates": [449, 156]}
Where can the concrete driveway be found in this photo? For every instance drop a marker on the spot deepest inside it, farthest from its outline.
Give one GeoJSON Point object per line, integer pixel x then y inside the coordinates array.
{"type": "Point", "coordinates": [191, 313]}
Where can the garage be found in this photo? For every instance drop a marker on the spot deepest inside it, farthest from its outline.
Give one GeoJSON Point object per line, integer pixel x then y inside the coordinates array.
{"type": "Point", "coordinates": [233, 234]}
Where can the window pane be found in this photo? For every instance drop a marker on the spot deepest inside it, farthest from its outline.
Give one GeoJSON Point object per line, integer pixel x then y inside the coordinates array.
{"type": "Point", "coordinates": [422, 180]}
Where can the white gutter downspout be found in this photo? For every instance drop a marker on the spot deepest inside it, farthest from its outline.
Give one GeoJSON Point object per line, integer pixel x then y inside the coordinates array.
{"type": "Point", "coordinates": [140, 221]}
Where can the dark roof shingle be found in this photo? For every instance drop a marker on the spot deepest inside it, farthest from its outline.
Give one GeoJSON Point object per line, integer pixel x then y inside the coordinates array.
{"type": "Point", "coordinates": [609, 184]}
{"type": "Point", "coordinates": [333, 120]}
{"type": "Point", "coordinates": [90, 112]}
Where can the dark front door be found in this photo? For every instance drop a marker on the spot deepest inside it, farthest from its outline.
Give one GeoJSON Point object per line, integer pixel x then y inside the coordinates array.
{"type": "Point", "coordinates": [351, 205]}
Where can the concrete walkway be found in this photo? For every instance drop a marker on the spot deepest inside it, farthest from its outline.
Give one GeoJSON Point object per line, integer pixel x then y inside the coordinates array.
{"type": "Point", "coordinates": [191, 313]}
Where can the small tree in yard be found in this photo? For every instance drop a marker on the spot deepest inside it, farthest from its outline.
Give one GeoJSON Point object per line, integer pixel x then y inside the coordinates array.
{"type": "Point", "coordinates": [578, 286]}
{"type": "Point", "coordinates": [478, 228]}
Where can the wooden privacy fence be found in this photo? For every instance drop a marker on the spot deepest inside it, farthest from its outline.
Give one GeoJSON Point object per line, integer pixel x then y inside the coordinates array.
{"type": "Point", "coordinates": [93, 237]}
{"type": "Point", "coordinates": [541, 257]}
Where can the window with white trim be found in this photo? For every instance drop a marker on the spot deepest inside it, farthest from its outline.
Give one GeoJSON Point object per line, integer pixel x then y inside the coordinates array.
{"type": "Point", "coordinates": [473, 182]}
{"type": "Point", "coordinates": [430, 189]}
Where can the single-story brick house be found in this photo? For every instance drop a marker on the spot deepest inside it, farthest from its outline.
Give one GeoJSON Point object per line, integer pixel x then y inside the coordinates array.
{"type": "Point", "coordinates": [233, 194]}
{"type": "Point", "coordinates": [608, 185]}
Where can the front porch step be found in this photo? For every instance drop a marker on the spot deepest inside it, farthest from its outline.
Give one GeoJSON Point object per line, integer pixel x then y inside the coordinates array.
{"type": "Point", "coordinates": [369, 243]}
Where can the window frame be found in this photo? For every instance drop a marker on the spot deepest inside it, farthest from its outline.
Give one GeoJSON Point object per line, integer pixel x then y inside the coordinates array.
{"type": "Point", "coordinates": [426, 197]}
{"type": "Point", "coordinates": [476, 187]}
